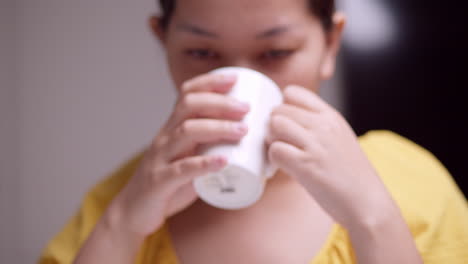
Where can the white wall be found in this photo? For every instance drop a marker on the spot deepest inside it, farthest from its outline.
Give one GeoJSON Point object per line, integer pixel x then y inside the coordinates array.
{"type": "Point", "coordinates": [91, 89]}
{"type": "Point", "coordinates": [9, 195]}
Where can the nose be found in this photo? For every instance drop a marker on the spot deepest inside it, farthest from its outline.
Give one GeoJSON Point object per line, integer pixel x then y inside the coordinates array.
{"type": "Point", "coordinates": [244, 63]}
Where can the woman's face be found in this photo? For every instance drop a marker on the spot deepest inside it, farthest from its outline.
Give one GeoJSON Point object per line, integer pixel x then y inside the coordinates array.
{"type": "Point", "coordinates": [280, 38]}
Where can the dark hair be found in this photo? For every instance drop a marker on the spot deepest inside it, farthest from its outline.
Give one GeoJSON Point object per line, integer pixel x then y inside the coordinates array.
{"type": "Point", "coordinates": [323, 9]}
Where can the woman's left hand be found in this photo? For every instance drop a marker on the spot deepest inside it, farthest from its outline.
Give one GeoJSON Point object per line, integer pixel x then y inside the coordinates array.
{"type": "Point", "coordinates": [313, 143]}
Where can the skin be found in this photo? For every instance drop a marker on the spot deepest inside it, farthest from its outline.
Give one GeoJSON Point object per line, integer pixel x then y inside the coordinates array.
{"type": "Point", "coordinates": [322, 166]}
{"type": "Point", "coordinates": [313, 52]}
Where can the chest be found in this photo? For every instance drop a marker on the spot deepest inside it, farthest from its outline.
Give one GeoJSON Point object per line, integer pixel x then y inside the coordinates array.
{"type": "Point", "coordinates": [289, 236]}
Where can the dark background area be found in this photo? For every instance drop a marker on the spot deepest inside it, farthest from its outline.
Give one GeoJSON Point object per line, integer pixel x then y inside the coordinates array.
{"type": "Point", "coordinates": [418, 86]}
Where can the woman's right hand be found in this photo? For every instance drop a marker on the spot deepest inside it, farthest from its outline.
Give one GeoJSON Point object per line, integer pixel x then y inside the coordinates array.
{"type": "Point", "coordinates": [162, 185]}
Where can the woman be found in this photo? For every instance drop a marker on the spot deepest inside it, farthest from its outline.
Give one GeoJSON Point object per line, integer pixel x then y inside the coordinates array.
{"type": "Point", "coordinates": [335, 199]}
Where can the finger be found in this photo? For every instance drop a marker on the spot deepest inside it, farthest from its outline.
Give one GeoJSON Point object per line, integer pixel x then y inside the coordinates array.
{"type": "Point", "coordinates": [288, 131]}
{"type": "Point", "coordinates": [193, 132]}
{"type": "Point", "coordinates": [209, 105]}
{"type": "Point", "coordinates": [210, 82]}
{"type": "Point", "coordinates": [303, 117]}
{"type": "Point", "coordinates": [183, 197]}
{"type": "Point", "coordinates": [303, 98]}
{"type": "Point", "coordinates": [286, 157]}
{"type": "Point", "coordinates": [183, 171]}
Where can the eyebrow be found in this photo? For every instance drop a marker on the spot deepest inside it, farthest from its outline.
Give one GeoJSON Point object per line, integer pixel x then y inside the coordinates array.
{"type": "Point", "coordinates": [278, 30]}
{"type": "Point", "coordinates": [196, 30]}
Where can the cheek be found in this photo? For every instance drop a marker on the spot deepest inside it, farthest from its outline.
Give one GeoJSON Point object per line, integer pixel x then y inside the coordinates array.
{"type": "Point", "coordinates": [181, 71]}
{"type": "Point", "coordinates": [303, 70]}
{"type": "Point", "coordinates": [176, 72]}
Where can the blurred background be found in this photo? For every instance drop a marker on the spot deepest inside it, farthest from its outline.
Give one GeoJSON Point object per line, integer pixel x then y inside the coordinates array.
{"type": "Point", "coordinates": [83, 86]}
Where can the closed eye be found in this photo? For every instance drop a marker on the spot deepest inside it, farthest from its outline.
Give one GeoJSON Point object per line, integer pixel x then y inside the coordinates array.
{"type": "Point", "coordinates": [276, 54]}
{"type": "Point", "coordinates": [201, 54]}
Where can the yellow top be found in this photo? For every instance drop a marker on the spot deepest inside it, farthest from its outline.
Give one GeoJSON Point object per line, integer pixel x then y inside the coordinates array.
{"type": "Point", "coordinates": [432, 205]}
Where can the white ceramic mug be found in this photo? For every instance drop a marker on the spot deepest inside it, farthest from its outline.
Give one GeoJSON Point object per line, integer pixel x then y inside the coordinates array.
{"type": "Point", "coordinates": [241, 183]}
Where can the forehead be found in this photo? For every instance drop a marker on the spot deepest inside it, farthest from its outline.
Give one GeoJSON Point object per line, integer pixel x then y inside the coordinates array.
{"type": "Point", "coordinates": [245, 14]}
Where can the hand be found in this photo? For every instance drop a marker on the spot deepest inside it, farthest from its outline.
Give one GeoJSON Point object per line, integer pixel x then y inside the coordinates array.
{"type": "Point", "coordinates": [313, 143]}
{"type": "Point", "coordinates": [162, 186]}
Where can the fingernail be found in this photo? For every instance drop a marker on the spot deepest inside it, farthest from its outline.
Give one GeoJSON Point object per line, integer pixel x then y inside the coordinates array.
{"type": "Point", "coordinates": [242, 106]}
{"type": "Point", "coordinates": [218, 162]}
{"type": "Point", "coordinates": [228, 78]}
{"type": "Point", "coordinates": [241, 128]}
